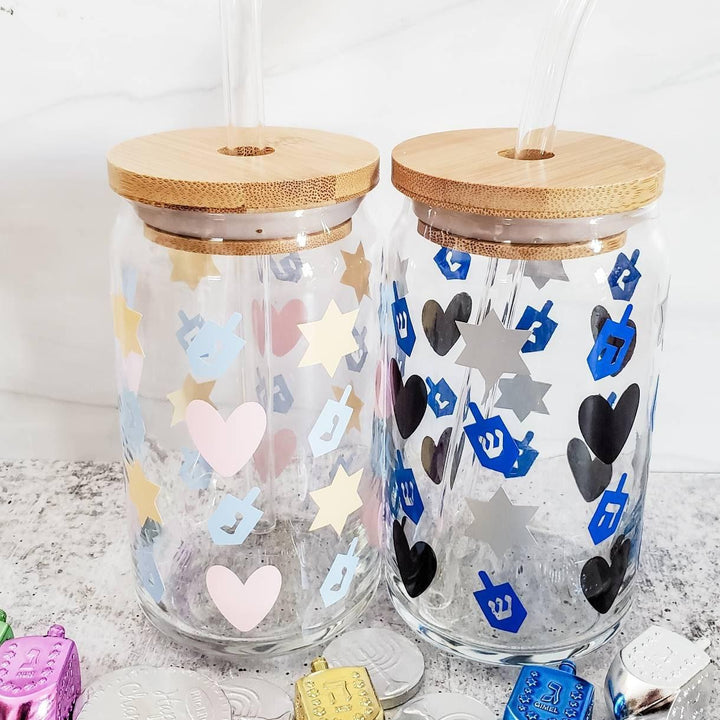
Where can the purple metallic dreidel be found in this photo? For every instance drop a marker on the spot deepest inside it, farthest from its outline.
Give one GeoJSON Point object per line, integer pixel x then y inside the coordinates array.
{"type": "Point", "coordinates": [39, 677]}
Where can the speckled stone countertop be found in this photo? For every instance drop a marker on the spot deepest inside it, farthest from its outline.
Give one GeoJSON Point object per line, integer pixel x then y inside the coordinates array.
{"type": "Point", "coordinates": [66, 559]}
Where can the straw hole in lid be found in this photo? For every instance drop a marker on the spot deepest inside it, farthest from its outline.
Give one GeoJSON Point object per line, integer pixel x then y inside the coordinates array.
{"type": "Point", "coordinates": [526, 154]}
{"type": "Point", "coordinates": [246, 151]}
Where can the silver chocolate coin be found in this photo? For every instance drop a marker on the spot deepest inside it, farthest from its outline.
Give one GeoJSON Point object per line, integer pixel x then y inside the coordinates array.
{"type": "Point", "coordinates": [395, 664]}
{"type": "Point", "coordinates": [444, 706]}
{"type": "Point", "coordinates": [148, 693]}
{"type": "Point", "coordinates": [255, 699]}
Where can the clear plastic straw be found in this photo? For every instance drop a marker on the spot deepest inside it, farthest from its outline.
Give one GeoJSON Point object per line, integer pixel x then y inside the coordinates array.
{"type": "Point", "coordinates": [536, 132]}
{"type": "Point", "coordinates": [242, 74]}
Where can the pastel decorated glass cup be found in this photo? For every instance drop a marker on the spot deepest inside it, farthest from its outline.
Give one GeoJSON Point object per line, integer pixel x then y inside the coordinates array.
{"type": "Point", "coordinates": [245, 332]}
{"type": "Point", "coordinates": [524, 302]}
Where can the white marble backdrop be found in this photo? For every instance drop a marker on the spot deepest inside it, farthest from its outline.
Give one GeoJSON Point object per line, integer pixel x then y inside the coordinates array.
{"type": "Point", "coordinates": [77, 77]}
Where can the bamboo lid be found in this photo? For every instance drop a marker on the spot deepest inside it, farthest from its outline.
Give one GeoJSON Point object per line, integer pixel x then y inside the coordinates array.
{"type": "Point", "coordinates": [193, 170]}
{"type": "Point", "coordinates": [474, 171]}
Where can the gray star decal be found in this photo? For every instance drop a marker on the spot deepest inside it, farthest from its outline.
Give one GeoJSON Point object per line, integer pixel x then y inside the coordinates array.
{"type": "Point", "coordinates": [499, 523]}
{"type": "Point", "coordinates": [541, 271]}
{"type": "Point", "coordinates": [523, 395]}
{"type": "Point", "coordinates": [401, 278]}
{"type": "Point", "coordinates": [492, 349]}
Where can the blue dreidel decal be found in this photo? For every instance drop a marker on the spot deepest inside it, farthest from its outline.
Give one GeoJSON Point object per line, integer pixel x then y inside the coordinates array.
{"type": "Point", "coordinates": [491, 440]}
{"type": "Point", "coordinates": [189, 329]}
{"type": "Point", "coordinates": [282, 397]}
{"type": "Point", "coordinates": [214, 348]}
{"type": "Point", "coordinates": [404, 331]}
{"type": "Point", "coordinates": [453, 264]}
{"type": "Point", "coordinates": [546, 693]}
{"type": "Point", "coordinates": [606, 519]}
{"type": "Point", "coordinates": [526, 457]}
{"type": "Point", "coordinates": [611, 346]}
{"type": "Point", "coordinates": [289, 269]}
{"type": "Point", "coordinates": [624, 277]}
{"type": "Point", "coordinates": [407, 490]}
{"type": "Point", "coordinates": [356, 360]}
{"type": "Point", "coordinates": [132, 425]}
{"type": "Point", "coordinates": [500, 605]}
{"type": "Point", "coordinates": [194, 470]}
{"type": "Point", "coordinates": [234, 519]}
{"type": "Point", "coordinates": [337, 582]}
{"type": "Point", "coordinates": [393, 496]}
{"type": "Point", "coordinates": [129, 284]}
{"type": "Point", "coordinates": [541, 325]}
{"type": "Point", "coordinates": [148, 572]}
{"type": "Point", "coordinates": [331, 424]}
{"type": "Point", "coordinates": [441, 398]}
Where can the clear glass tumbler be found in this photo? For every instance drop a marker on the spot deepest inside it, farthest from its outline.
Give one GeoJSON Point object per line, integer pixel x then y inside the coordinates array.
{"type": "Point", "coordinates": [245, 334]}
{"type": "Point", "coordinates": [524, 321]}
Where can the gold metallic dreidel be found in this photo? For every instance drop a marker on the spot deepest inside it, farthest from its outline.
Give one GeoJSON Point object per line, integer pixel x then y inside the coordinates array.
{"type": "Point", "coordinates": [344, 693]}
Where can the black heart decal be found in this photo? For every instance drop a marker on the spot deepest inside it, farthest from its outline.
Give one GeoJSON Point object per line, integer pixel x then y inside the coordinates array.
{"type": "Point", "coordinates": [606, 428]}
{"type": "Point", "coordinates": [410, 400]}
{"type": "Point", "coordinates": [601, 582]}
{"type": "Point", "coordinates": [417, 564]}
{"type": "Point", "coordinates": [433, 456]}
{"type": "Point", "coordinates": [440, 325]}
{"type": "Point", "coordinates": [598, 317]}
{"type": "Point", "coordinates": [591, 476]}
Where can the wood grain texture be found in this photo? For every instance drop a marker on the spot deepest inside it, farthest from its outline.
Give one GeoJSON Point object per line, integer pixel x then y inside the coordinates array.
{"type": "Point", "coordinates": [522, 251]}
{"type": "Point", "coordinates": [274, 246]}
{"type": "Point", "coordinates": [185, 169]}
{"type": "Point", "coordinates": [588, 175]}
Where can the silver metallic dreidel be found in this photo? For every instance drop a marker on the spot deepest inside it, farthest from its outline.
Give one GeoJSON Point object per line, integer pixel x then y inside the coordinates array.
{"type": "Point", "coordinates": [545, 693]}
{"type": "Point", "coordinates": [660, 674]}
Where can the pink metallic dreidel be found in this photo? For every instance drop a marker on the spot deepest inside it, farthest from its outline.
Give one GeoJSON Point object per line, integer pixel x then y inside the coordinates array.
{"type": "Point", "coordinates": [39, 677]}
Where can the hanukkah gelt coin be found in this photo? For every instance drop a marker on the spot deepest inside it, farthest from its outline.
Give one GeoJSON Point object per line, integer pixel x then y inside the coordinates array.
{"type": "Point", "coordinates": [444, 706]}
{"type": "Point", "coordinates": [255, 699]}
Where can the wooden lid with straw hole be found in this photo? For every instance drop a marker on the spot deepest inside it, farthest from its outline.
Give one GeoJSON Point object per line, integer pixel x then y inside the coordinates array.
{"type": "Point", "coordinates": [474, 171]}
{"type": "Point", "coordinates": [193, 169]}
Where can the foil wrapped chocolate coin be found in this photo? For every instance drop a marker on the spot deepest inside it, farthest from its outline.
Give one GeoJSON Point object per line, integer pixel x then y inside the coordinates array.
{"type": "Point", "coordinates": [394, 663]}
{"type": "Point", "coordinates": [148, 693]}
{"type": "Point", "coordinates": [255, 699]}
{"type": "Point", "coordinates": [39, 676]}
{"type": "Point", "coordinates": [444, 706]}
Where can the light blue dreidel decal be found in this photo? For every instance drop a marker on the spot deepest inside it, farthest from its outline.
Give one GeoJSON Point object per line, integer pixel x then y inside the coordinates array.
{"type": "Point", "coordinates": [195, 471]}
{"type": "Point", "coordinates": [331, 424]}
{"type": "Point", "coordinates": [624, 277]}
{"type": "Point", "coordinates": [441, 398]}
{"type": "Point", "coordinates": [404, 331]}
{"type": "Point", "coordinates": [491, 440]}
{"type": "Point", "coordinates": [356, 360]}
{"type": "Point", "coordinates": [526, 458]}
{"type": "Point", "coordinates": [453, 264]}
{"type": "Point", "coordinates": [148, 573]}
{"type": "Point", "coordinates": [541, 325]}
{"type": "Point", "coordinates": [188, 329]}
{"type": "Point", "coordinates": [289, 269]}
{"type": "Point", "coordinates": [500, 605]}
{"type": "Point", "coordinates": [129, 277]}
{"type": "Point", "coordinates": [214, 348]}
{"type": "Point", "coordinates": [611, 346]}
{"type": "Point", "coordinates": [606, 519]}
{"type": "Point", "coordinates": [337, 582]}
{"type": "Point", "coordinates": [234, 519]}
{"type": "Point", "coordinates": [407, 490]}
{"type": "Point", "coordinates": [282, 397]}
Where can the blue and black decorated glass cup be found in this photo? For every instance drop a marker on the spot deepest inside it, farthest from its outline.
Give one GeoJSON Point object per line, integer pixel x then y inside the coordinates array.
{"type": "Point", "coordinates": [524, 303]}
{"type": "Point", "coordinates": [246, 338]}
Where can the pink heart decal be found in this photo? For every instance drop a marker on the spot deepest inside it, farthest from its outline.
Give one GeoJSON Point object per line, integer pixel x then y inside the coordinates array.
{"type": "Point", "coordinates": [227, 445]}
{"type": "Point", "coordinates": [284, 444]}
{"type": "Point", "coordinates": [283, 326]}
{"type": "Point", "coordinates": [244, 604]}
{"type": "Point", "coordinates": [383, 399]}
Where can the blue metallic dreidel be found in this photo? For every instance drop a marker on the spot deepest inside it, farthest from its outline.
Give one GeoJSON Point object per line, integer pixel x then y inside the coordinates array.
{"type": "Point", "coordinates": [404, 331]}
{"type": "Point", "coordinates": [606, 519]}
{"type": "Point", "coordinates": [492, 442]}
{"type": "Point", "coordinates": [624, 277]}
{"type": "Point", "coordinates": [611, 346]}
{"type": "Point", "coordinates": [545, 693]}
{"type": "Point", "coordinates": [6, 632]}
{"type": "Point", "coordinates": [541, 325]}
